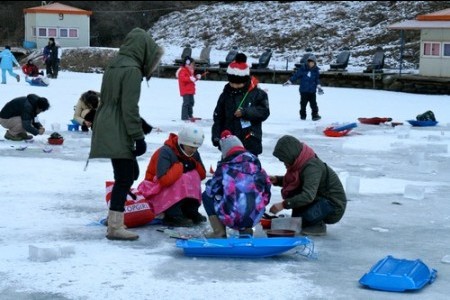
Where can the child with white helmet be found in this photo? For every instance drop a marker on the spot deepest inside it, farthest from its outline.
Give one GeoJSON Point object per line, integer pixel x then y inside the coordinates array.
{"type": "Point", "coordinates": [172, 183]}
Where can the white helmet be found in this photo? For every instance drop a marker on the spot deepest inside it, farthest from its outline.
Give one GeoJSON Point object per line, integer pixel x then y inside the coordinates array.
{"type": "Point", "coordinates": [191, 136]}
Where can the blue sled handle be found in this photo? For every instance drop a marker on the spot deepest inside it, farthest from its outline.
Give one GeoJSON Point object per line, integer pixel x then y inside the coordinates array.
{"type": "Point", "coordinates": [345, 127]}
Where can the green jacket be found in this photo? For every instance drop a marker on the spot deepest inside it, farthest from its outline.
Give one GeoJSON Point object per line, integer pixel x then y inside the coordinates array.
{"type": "Point", "coordinates": [318, 180]}
{"type": "Point", "coordinates": [117, 123]}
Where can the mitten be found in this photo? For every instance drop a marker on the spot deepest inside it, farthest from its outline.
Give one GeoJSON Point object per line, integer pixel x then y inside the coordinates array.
{"type": "Point", "coordinates": [198, 76]}
{"type": "Point", "coordinates": [320, 91]}
{"type": "Point", "coordinates": [192, 78]}
{"type": "Point", "coordinates": [287, 83]}
{"type": "Point", "coordinates": [140, 147]}
{"type": "Point", "coordinates": [188, 165]}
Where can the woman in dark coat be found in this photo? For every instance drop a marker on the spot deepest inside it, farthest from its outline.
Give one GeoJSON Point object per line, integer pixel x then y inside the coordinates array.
{"type": "Point", "coordinates": [310, 187]}
{"type": "Point", "coordinates": [117, 132]}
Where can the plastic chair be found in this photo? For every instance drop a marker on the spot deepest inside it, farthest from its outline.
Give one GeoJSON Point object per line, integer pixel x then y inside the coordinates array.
{"type": "Point", "coordinates": [229, 58]}
{"type": "Point", "coordinates": [204, 58]}
{"type": "Point", "coordinates": [187, 51]}
{"type": "Point", "coordinates": [377, 64]}
{"type": "Point", "coordinates": [341, 60]}
{"type": "Point", "coordinates": [304, 58]}
{"type": "Point", "coordinates": [263, 61]}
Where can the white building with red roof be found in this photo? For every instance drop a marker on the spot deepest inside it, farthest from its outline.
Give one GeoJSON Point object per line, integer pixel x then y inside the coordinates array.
{"type": "Point", "coordinates": [70, 26]}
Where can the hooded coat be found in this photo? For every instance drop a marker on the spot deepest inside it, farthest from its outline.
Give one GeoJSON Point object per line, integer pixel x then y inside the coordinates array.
{"type": "Point", "coordinates": [117, 123]}
{"type": "Point", "coordinates": [309, 77]}
{"type": "Point", "coordinates": [317, 179]}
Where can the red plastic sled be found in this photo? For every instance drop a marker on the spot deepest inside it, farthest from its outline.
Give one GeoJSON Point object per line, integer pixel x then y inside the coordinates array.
{"type": "Point", "coordinates": [374, 121]}
{"type": "Point", "coordinates": [329, 131]}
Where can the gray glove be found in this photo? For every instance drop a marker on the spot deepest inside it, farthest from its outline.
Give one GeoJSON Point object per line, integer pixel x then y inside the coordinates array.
{"type": "Point", "coordinates": [287, 83]}
{"type": "Point", "coordinates": [320, 91]}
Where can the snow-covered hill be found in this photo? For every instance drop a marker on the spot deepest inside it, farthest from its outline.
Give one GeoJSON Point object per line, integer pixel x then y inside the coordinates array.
{"type": "Point", "coordinates": [288, 28]}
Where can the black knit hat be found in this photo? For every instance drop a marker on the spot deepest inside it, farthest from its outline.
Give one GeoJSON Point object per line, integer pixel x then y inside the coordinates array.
{"type": "Point", "coordinates": [238, 70]}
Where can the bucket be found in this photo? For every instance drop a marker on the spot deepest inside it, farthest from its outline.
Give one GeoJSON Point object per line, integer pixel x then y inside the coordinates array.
{"type": "Point", "coordinates": [288, 223]}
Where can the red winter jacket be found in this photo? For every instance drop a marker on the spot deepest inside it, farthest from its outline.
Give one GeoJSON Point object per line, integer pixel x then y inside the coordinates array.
{"type": "Point", "coordinates": [30, 70]}
{"type": "Point", "coordinates": [186, 85]}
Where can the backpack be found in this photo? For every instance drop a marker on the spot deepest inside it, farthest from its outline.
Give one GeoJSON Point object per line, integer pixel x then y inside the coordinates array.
{"type": "Point", "coordinates": [426, 116]}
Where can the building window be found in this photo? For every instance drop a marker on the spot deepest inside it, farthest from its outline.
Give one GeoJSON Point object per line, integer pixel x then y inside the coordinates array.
{"type": "Point", "coordinates": [431, 49]}
{"type": "Point", "coordinates": [33, 31]}
{"type": "Point", "coordinates": [42, 32]}
{"type": "Point", "coordinates": [446, 49]}
{"type": "Point", "coordinates": [63, 33]}
{"type": "Point", "coordinates": [73, 33]}
{"type": "Point", "coordinates": [51, 32]}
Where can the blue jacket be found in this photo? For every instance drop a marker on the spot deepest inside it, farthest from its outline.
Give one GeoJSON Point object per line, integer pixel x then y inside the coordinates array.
{"type": "Point", "coordinates": [7, 59]}
{"type": "Point", "coordinates": [309, 78]}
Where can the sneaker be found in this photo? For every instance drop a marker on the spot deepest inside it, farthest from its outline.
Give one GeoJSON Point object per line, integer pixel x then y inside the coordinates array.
{"type": "Point", "coordinates": [11, 137]}
{"type": "Point", "coordinates": [25, 136]}
{"type": "Point", "coordinates": [18, 78]}
{"type": "Point", "coordinates": [316, 118]}
{"type": "Point", "coordinates": [177, 221]}
{"type": "Point", "coordinates": [319, 229]}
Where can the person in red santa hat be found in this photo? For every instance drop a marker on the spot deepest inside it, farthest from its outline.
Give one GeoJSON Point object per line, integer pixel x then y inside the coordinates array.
{"type": "Point", "coordinates": [241, 108]}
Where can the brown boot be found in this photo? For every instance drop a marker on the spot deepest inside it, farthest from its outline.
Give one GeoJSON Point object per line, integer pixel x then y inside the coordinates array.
{"type": "Point", "coordinates": [218, 228]}
{"type": "Point", "coordinates": [116, 228]}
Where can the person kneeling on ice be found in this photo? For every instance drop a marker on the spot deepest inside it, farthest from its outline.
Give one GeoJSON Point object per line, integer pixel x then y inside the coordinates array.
{"type": "Point", "coordinates": [38, 81]}
{"type": "Point", "coordinates": [173, 178]}
{"type": "Point", "coordinates": [237, 195]}
{"type": "Point", "coordinates": [19, 116]}
{"type": "Point", "coordinates": [310, 187]}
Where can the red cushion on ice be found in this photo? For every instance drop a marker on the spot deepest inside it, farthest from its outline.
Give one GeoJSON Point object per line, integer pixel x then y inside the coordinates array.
{"type": "Point", "coordinates": [138, 212]}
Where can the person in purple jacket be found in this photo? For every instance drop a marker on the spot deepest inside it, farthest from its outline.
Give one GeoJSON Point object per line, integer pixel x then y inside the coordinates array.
{"type": "Point", "coordinates": [237, 195]}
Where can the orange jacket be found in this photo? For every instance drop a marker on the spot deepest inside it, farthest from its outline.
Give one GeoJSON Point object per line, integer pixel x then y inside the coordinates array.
{"type": "Point", "coordinates": [166, 164]}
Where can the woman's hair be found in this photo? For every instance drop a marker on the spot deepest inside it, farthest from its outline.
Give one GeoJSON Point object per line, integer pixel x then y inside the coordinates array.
{"type": "Point", "coordinates": [90, 98]}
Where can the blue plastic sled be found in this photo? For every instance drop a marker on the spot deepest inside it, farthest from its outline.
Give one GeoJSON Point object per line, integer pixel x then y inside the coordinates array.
{"type": "Point", "coordinates": [422, 123]}
{"type": "Point", "coordinates": [398, 275]}
{"type": "Point", "coordinates": [241, 247]}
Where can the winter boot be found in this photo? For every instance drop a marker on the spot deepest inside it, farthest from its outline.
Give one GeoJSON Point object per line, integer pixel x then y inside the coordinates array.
{"type": "Point", "coordinates": [218, 228]}
{"type": "Point", "coordinates": [316, 118]}
{"type": "Point", "coordinates": [116, 228]}
{"type": "Point", "coordinates": [319, 229]}
{"type": "Point", "coordinates": [246, 232]}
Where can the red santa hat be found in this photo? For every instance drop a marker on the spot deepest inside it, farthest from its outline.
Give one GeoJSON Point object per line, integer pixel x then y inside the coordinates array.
{"type": "Point", "coordinates": [238, 70]}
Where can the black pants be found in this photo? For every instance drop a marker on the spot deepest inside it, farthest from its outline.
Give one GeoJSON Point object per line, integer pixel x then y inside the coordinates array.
{"type": "Point", "coordinates": [126, 171]}
{"type": "Point", "coordinates": [187, 110]}
{"type": "Point", "coordinates": [310, 98]}
{"type": "Point", "coordinates": [48, 68]}
{"type": "Point", "coordinates": [187, 208]}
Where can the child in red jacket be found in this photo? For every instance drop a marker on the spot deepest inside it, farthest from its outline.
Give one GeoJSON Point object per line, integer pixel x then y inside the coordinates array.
{"type": "Point", "coordinates": [186, 82]}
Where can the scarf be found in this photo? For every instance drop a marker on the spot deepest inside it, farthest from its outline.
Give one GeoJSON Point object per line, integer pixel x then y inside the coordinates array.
{"type": "Point", "coordinates": [291, 179]}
